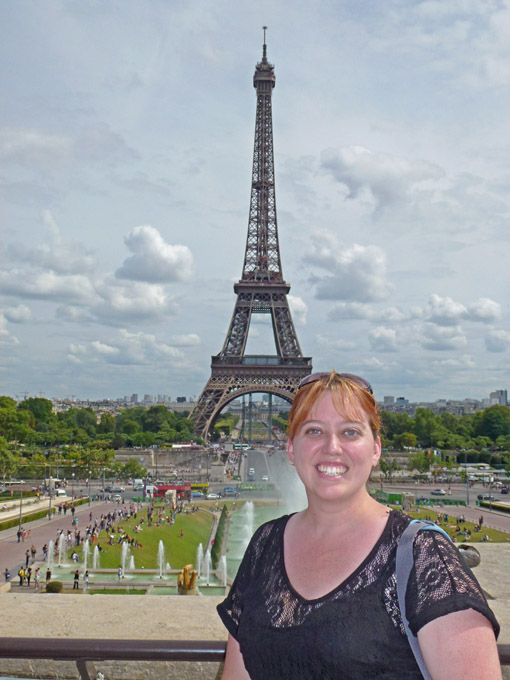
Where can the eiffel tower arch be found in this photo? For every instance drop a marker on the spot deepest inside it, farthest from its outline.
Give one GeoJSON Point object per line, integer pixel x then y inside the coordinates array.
{"type": "Point", "coordinates": [261, 290]}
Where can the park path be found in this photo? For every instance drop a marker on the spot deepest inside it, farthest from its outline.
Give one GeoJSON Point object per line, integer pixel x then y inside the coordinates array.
{"type": "Point", "coordinates": [12, 553]}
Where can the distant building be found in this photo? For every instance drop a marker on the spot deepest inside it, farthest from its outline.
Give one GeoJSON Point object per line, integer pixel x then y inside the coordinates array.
{"type": "Point", "coordinates": [389, 401]}
{"type": "Point", "coordinates": [498, 397]}
{"type": "Point", "coordinates": [134, 398]}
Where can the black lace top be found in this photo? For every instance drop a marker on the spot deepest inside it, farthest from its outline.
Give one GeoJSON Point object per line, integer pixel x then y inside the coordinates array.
{"type": "Point", "coordinates": [354, 632]}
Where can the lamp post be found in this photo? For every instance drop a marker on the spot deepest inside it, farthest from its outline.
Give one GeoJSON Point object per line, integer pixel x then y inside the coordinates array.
{"type": "Point", "coordinates": [20, 507]}
{"type": "Point", "coordinates": [89, 488]}
{"type": "Point", "coordinates": [467, 480]}
{"type": "Point", "coordinates": [72, 486]}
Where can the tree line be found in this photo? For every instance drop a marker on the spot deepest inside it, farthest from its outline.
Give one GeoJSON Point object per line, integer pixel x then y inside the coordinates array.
{"type": "Point", "coordinates": [33, 436]}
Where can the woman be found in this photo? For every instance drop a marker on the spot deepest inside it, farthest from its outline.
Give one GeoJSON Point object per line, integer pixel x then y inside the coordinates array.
{"type": "Point", "coordinates": [315, 595]}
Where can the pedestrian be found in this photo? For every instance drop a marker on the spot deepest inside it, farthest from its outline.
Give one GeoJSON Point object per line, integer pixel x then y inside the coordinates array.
{"type": "Point", "coordinates": [76, 584]}
{"type": "Point", "coordinates": [27, 557]}
{"type": "Point", "coordinates": [21, 575]}
{"type": "Point", "coordinates": [119, 573]}
{"type": "Point", "coordinates": [33, 552]}
{"type": "Point", "coordinates": [48, 575]}
{"type": "Point", "coordinates": [28, 574]}
{"type": "Point", "coordinates": [45, 551]}
{"type": "Point", "coordinates": [19, 534]}
{"type": "Point", "coordinates": [182, 533]}
{"type": "Point", "coordinates": [86, 580]}
{"type": "Point", "coordinates": [7, 574]}
{"type": "Point", "coordinates": [37, 578]}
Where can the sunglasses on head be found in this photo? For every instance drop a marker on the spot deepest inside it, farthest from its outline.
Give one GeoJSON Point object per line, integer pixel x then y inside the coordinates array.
{"type": "Point", "coordinates": [314, 377]}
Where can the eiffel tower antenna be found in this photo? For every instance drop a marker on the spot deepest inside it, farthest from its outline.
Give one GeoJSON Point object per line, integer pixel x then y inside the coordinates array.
{"type": "Point", "coordinates": [261, 289]}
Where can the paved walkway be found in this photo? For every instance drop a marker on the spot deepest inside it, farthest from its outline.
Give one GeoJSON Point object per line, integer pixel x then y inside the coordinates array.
{"type": "Point", "coordinates": [12, 552]}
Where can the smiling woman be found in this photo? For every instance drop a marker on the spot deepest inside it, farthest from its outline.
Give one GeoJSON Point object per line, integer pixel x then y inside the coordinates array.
{"type": "Point", "coordinates": [315, 596]}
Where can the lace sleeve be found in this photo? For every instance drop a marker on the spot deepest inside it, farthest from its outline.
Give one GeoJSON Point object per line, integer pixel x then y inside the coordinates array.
{"type": "Point", "coordinates": [441, 583]}
{"type": "Point", "coordinates": [231, 608]}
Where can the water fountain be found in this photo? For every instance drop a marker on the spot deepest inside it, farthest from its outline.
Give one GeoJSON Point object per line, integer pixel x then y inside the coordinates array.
{"type": "Point", "coordinates": [222, 570]}
{"type": "Point", "coordinates": [131, 563]}
{"type": "Point", "coordinates": [61, 549]}
{"type": "Point", "coordinates": [208, 566]}
{"type": "Point", "coordinates": [95, 558]}
{"type": "Point", "coordinates": [124, 555]}
{"type": "Point", "coordinates": [200, 559]}
{"type": "Point", "coordinates": [161, 558]}
{"type": "Point", "coordinates": [51, 554]}
{"type": "Point", "coordinates": [86, 550]}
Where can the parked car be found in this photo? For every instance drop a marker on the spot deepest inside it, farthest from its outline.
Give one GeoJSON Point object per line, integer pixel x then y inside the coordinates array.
{"type": "Point", "coordinates": [118, 489]}
{"type": "Point", "coordinates": [504, 489]}
{"type": "Point", "coordinates": [197, 494]}
{"type": "Point", "coordinates": [438, 492]}
{"type": "Point", "coordinates": [117, 497]}
{"type": "Point", "coordinates": [265, 478]}
{"type": "Point", "coordinates": [230, 491]}
{"type": "Point", "coordinates": [485, 497]}
{"type": "Point", "coordinates": [213, 496]}
{"type": "Point", "coordinates": [138, 487]}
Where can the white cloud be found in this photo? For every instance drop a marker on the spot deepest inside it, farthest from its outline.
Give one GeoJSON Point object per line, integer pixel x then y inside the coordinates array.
{"type": "Point", "coordinates": [464, 361]}
{"type": "Point", "coordinates": [48, 285]}
{"type": "Point", "coordinates": [153, 260]}
{"type": "Point", "coordinates": [383, 339]}
{"type": "Point", "coordinates": [380, 179]}
{"type": "Point", "coordinates": [298, 309]}
{"type": "Point", "coordinates": [102, 348]}
{"type": "Point", "coordinates": [327, 343]}
{"type": "Point", "coordinates": [497, 341]}
{"type": "Point", "coordinates": [55, 253]}
{"type": "Point", "coordinates": [359, 310]}
{"type": "Point", "coordinates": [355, 272]}
{"type": "Point", "coordinates": [126, 348]}
{"type": "Point", "coordinates": [6, 338]}
{"type": "Point", "coordinates": [444, 311]}
{"type": "Point", "coordinates": [18, 314]}
{"type": "Point", "coordinates": [439, 338]}
{"type": "Point", "coordinates": [484, 310]}
{"type": "Point", "coordinates": [188, 340]}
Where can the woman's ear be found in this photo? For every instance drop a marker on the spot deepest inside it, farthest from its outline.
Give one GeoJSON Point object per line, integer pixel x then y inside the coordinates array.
{"type": "Point", "coordinates": [290, 451]}
{"type": "Point", "coordinates": [377, 451]}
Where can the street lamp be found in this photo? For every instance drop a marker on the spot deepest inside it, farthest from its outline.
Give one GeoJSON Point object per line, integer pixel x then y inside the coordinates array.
{"type": "Point", "coordinates": [89, 488]}
{"type": "Point", "coordinates": [72, 486]}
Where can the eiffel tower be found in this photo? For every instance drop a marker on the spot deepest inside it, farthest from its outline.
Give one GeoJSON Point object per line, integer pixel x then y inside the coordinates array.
{"type": "Point", "coordinates": [261, 290]}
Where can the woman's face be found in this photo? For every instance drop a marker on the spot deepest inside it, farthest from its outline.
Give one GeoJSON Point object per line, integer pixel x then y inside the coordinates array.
{"type": "Point", "coordinates": [333, 454]}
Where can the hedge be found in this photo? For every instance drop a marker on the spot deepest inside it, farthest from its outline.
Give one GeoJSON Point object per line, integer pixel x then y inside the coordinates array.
{"type": "Point", "coordinates": [40, 514]}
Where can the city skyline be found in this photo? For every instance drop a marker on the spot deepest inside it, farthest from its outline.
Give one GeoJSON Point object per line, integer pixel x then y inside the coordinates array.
{"type": "Point", "coordinates": [126, 141]}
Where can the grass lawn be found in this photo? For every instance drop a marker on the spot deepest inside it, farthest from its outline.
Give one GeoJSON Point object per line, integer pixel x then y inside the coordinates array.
{"type": "Point", "coordinates": [494, 535]}
{"type": "Point", "coordinates": [179, 551]}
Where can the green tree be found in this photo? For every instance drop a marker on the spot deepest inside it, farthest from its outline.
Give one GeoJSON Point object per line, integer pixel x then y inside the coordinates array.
{"type": "Point", "coordinates": [494, 422]}
{"type": "Point", "coordinates": [421, 461]}
{"type": "Point", "coordinates": [41, 408]}
{"type": "Point", "coordinates": [9, 461]}
{"type": "Point", "coordinates": [107, 424]}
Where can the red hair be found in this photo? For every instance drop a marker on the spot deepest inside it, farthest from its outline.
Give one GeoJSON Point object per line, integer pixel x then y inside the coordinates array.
{"type": "Point", "coordinates": [349, 399]}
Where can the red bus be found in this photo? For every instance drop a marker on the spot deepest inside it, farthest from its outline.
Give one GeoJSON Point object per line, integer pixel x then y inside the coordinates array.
{"type": "Point", "coordinates": [183, 491]}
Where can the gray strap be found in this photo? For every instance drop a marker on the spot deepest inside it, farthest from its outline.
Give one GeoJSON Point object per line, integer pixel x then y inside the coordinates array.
{"type": "Point", "coordinates": [404, 565]}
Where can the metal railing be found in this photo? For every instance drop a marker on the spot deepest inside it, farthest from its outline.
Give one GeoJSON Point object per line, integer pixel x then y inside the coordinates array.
{"type": "Point", "coordinates": [85, 651]}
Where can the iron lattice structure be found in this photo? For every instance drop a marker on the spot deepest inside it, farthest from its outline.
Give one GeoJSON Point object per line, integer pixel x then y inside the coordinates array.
{"type": "Point", "coordinates": [261, 290]}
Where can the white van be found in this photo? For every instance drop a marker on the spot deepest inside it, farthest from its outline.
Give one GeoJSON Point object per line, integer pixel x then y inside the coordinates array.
{"type": "Point", "coordinates": [60, 492]}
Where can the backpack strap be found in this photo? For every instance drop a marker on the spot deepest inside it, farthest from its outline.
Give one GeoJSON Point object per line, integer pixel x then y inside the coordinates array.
{"type": "Point", "coordinates": [404, 565]}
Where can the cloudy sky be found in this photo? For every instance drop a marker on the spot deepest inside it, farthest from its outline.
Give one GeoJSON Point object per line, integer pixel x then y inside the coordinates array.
{"type": "Point", "coordinates": [126, 138]}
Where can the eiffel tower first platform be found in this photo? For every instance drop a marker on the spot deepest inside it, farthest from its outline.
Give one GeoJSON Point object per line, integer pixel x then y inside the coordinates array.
{"type": "Point", "coordinates": [261, 290]}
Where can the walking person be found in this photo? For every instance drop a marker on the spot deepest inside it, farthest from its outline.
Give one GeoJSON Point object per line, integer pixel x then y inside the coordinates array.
{"type": "Point", "coordinates": [76, 581]}
{"type": "Point", "coordinates": [21, 574]}
{"type": "Point", "coordinates": [28, 574]}
{"type": "Point", "coordinates": [315, 597]}
{"type": "Point", "coordinates": [37, 578]}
